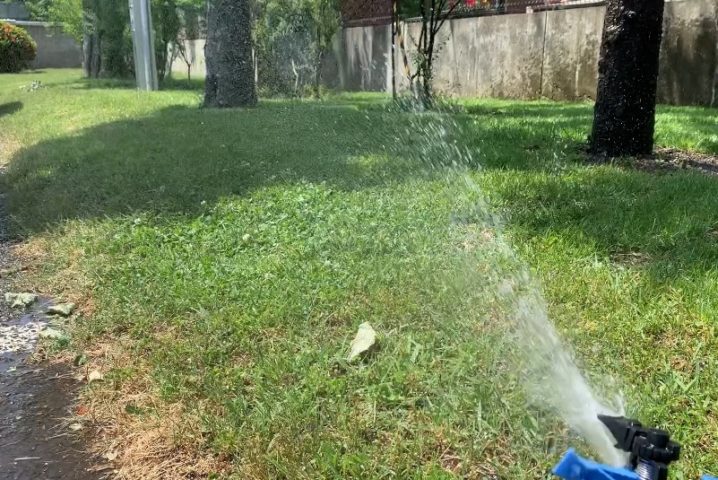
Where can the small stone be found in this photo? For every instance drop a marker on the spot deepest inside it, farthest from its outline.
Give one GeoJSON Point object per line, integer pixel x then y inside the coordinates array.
{"type": "Point", "coordinates": [95, 376]}
{"type": "Point", "coordinates": [79, 360]}
{"type": "Point", "coordinates": [61, 309]}
{"type": "Point", "coordinates": [52, 333]}
{"type": "Point", "coordinates": [17, 300]}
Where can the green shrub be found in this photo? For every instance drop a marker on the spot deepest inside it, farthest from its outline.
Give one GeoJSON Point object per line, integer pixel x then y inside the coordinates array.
{"type": "Point", "coordinates": [17, 48]}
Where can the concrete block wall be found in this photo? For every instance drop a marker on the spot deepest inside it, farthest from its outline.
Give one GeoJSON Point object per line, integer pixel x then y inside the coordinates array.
{"type": "Point", "coordinates": [497, 57]}
{"type": "Point", "coordinates": [55, 49]}
{"type": "Point", "coordinates": [689, 53]}
{"type": "Point", "coordinates": [195, 55]}
{"type": "Point", "coordinates": [570, 58]}
{"type": "Point", "coordinates": [13, 11]}
{"type": "Point", "coordinates": [360, 60]}
{"type": "Point", "coordinates": [552, 54]}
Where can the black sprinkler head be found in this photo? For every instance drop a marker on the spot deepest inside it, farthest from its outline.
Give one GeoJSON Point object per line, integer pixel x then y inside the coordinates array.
{"type": "Point", "coordinates": [650, 448]}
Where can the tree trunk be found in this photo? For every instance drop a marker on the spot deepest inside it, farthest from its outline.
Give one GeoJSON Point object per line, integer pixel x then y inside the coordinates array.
{"type": "Point", "coordinates": [92, 60]}
{"type": "Point", "coordinates": [318, 64]}
{"type": "Point", "coordinates": [228, 54]}
{"type": "Point", "coordinates": [625, 108]}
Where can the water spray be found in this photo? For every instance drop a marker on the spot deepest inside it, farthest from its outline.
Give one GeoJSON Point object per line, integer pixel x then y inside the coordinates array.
{"type": "Point", "coordinates": [650, 450]}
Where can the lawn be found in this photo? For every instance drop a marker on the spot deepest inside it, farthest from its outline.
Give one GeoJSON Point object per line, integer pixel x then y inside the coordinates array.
{"type": "Point", "coordinates": [224, 260]}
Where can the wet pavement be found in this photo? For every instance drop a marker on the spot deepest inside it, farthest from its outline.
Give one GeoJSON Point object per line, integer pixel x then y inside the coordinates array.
{"type": "Point", "coordinates": [37, 438]}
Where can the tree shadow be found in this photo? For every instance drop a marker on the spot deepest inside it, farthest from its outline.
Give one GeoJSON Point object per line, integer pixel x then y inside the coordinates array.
{"type": "Point", "coordinates": [677, 125]}
{"type": "Point", "coordinates": [575, 112]}
{"type": "Point", "coordinates": [172, 162]}
{"type": "Point", "coordinates": [168, 84]}
{"type": "Point", "coordinates": [7, 109]}
{"type": "Point", "coordinates": [669, 221]}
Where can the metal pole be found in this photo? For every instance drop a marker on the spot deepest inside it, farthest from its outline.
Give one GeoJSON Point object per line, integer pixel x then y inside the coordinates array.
{"type": "Point", "coordinates": [394, 22]}
{"type": "Point", "coordinates": [143, 45]}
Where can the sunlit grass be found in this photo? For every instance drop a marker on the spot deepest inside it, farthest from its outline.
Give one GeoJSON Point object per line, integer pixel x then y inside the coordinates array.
{"type": "Point", "coordinates": [239, 251]}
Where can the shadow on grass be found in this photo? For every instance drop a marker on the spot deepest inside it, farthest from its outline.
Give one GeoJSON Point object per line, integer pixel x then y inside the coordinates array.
{"type": "Point", "coordinates": [169, 163]}
{"type": "Point", "coordinates": [670, 221]}
{"type": "Point", "coordinates": [575, 112]}
{"type": "Point", "coordinates": [9, 108]}
{"type": "Point", "coordinates": [168, 84]}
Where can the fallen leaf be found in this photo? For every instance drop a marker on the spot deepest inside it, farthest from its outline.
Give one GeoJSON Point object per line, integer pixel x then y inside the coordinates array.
{"type": "Point", "coordinates": [364, 340]}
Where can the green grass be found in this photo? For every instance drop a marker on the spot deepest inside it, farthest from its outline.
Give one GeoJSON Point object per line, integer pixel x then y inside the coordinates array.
{"type": "Point", "coordinates": [239, 251]}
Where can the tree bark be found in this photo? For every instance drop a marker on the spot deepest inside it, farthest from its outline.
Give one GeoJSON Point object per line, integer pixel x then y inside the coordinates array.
{"type": "Point", "coordinates": [228, 54]}
{"type": "Point", "coordinates": [318, 64]}
{"type": "Point", "coordinates": [624, 114]}
{"type": "Point", "coordinates": [91, 52]}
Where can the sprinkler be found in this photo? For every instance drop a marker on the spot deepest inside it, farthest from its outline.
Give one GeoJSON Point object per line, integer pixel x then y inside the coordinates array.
{"type": "Point", "coordinates": [651, 451]}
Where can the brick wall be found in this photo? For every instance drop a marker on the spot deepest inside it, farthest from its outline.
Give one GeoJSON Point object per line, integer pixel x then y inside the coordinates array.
{"type": "Point", "coordinates": [366, 12]}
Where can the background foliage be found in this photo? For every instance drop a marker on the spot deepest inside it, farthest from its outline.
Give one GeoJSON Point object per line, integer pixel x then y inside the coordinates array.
{"type": "Point", "coordinates": [17, 48]}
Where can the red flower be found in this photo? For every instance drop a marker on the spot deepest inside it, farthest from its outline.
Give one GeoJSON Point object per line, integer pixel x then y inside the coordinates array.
{"type": "Point", "coordinates": [470, 3]}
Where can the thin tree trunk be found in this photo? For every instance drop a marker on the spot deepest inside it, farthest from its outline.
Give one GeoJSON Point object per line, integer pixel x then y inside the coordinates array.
{"type": "Point", "coordinates": [91, 52]}
{"type": "Point", "coordinates": [394, 22]}
{"type": "Point", "coordinates": [319, 62]}
{"type": "Point", "coordinates": [87, 54]}
{"type": "Point", "coordinates": [624, 114]}
{"type": "Point", "coordinates": [714, 96]}
{"type": "Point", "coordinates": [228, 54]}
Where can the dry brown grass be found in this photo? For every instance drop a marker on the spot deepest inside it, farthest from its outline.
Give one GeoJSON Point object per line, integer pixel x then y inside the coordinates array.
{"type": "Point", "coordinates": [9, 146]}
{"type": "Point", "coordinates": [68, 283]}
{"type": "Point", "coordinates": [140, 437]}
{"type": "Point", "coordinates": [143, 438]}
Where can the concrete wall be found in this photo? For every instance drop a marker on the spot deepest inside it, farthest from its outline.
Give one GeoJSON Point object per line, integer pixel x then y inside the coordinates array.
{"type": "Point", "coordinates": [13, 10]}
{"type": "Point", "coordinates": [499, 56]}
{"type": "Point", "coordinates": [689, 53]}
{"type": "Point", "coordinates": [361, 59]}
{"type": "Point", "coordinates": [570, 58]}
{"type": "Point", "coordinates": [551, 54]}
{"type": "Point", "coordinates": [194, 50]}
{"type": "Point", "coordinates": [55, 49]}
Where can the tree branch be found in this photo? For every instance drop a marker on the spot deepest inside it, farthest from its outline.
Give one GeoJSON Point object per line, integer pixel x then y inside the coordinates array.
{"type": "Point", "coordinates": [448, 14]}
